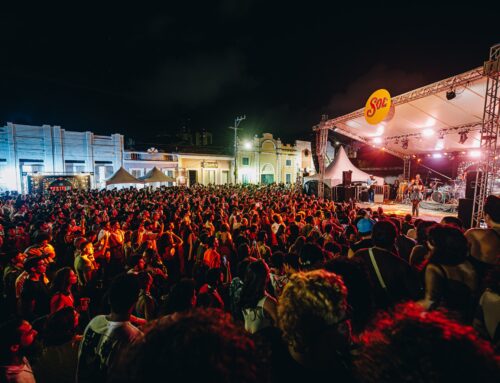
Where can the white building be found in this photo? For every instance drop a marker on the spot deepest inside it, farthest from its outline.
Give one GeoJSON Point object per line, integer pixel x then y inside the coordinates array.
{"type": "Point", "coordinates": [26, 150]}
{"type": "Point", "coordinates": [268, 160]}
{"type": "Point", "coordinates": [138, 163]}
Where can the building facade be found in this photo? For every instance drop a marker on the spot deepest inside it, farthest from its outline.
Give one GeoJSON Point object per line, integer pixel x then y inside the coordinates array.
{"type": "Point", "coordinates": [26, 150]}
{"type": "Point", "coordinates": [205, 169]}
{"type": "Point", "coordinates": [267, 160]}
{"type": "Point", "coordinates": [138, 163]}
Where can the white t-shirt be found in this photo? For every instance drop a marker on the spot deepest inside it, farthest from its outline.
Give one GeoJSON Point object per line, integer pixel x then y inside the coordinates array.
{"type": "Point", "coordinates": [101, 343]}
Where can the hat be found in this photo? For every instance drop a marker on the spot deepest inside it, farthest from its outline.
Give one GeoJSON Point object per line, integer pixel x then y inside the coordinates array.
{"type": "Point", "coordinates": [365, 225]}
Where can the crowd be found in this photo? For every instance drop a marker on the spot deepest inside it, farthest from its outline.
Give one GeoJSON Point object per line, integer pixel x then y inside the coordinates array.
{"type": "Point", "coordinates": [242, 284]}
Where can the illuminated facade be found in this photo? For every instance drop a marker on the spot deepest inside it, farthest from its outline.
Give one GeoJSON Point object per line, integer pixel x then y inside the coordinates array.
{"type": "Point", "coordinates": [267, 160]}
{"type": "Point", "coordinates": [205, 169]}
{"type": "Point", "coordinates": [138, 163]}
{"type": "Point", "coordinates": [27, 150]}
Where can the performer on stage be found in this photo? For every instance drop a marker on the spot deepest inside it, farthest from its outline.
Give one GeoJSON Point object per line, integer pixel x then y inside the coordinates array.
{"type": "Point", "coordinates": [416, 187]}
{"type": "Point", "coordinates": [371, 182]}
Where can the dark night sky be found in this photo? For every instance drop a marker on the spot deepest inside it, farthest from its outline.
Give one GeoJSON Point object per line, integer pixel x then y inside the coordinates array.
{"type": "Point", "coordinates": [145, 69]}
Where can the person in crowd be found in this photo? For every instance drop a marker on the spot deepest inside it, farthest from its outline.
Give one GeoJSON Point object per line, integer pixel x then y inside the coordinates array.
{"type": "Point", "coordinates": [365, 227]}
{"type": "Point", "coordinates": [146, 306]}
{"type": "Point", "coordinates": [403, 245]}
{"type": "Point", "coordinates": [35, 297]}
{"type": "Point", "coordinates": [12, 271]}
{"type": "Point", "coordinates": [61, 289]}
{"type": "Point", "coordinates": [450, 279]}
{"type": "Point", "coordinates": [311, 257]}
{"type": "Point", "coordinates": [16, 338]}
{"type": "Point", "coordinates": [391, 278]}
{"type": "Point", "coordinates": [314, 321]}
{"type": "Point", "coordinates": [198, 345]}
{"type": "Point", "coordinates": [182, 297]}
{"type": "Point", "coordinates": [210, 293]}
{"type": "Point", "coordinates": [411, 345]}
{"type": "Point", "coordinates": [258, 306]}
{"type": "Point", "coordinates": [42, 248]}
{"type": "Point", "coordinates": [453, 221]}
{"type": "Point", "coordinates": [59, 357]}
{"type": "Point", "coordinates": [407, 224]}
{"type": "Point", "coordinates": [359, 297]}
{"type": "Point", "coordinates": [484, 244]}
{"type": "Point", "coordinates": [420, 253]}
{"type": "Point", "coordinates": [487, 316]}
{"type": "Point", "coordinates": [107, 335]}
{"type": "Point", "coordinates": [85, 264]}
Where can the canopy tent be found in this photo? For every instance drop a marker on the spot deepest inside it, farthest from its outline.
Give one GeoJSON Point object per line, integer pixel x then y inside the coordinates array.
{"type": "Point", "coordinates": [428, 119]}
{"type": "Point", "coordinates": [122, 177]}
{"type": "Point", "coordinates": [156, 175]}
{"type": "Point", "coordinates": [341, 163]}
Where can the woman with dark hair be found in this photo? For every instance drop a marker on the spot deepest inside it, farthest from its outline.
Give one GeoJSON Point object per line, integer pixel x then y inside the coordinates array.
{"type": "Point", "coordinates": [450, 279]}
{"type": "Point", "coordinates": [258, 307]}
{"type": "Point", "coordinates": [420, 252]}
{"type": "Point", "coordinates": [61, 295]}
{"type": "Point", "coordinates": [182, 297]}
{"type": "Point", "coordinates": [60, 348]}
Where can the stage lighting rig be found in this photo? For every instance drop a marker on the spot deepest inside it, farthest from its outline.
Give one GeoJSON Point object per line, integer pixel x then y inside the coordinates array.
{"type": "Point", "coordinates": [404, 143]}
{"type": "Point", "coordinates": [451, 95]}
{"type": "Point", "coordinates": [463, 136]}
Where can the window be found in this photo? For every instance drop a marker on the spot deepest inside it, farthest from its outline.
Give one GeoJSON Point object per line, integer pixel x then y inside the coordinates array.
{"type": "Point", "coordinates": [245, 161]}
{"type": "Point", "coordinates": [288, 162]}
{"type": "Point", "coordinates": [245, 179]}
{"type": "Point", "coordinates": [288, 178]}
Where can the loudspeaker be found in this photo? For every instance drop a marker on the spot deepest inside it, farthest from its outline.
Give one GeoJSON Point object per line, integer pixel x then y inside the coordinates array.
{"type": "Point", "coordinates": [363, 196]}
{"type": "Point", "coordinates": [470, 184]}
{"type": "Point", "coordinates": [465, 211]}
{"type": "Point", "coordinates": [346, 177]}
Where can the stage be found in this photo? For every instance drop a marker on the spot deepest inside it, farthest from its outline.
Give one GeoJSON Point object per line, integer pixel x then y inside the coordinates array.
{"type": "Point", "coordinates": [402, 209]}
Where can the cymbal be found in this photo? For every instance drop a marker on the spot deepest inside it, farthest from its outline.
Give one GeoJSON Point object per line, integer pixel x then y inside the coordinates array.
{"type": "Point", "coordinates": [435, 179]}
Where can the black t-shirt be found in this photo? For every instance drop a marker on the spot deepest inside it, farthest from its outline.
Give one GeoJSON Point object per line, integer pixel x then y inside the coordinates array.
{"type": "Point", "coordinates": [363, 244]}
{"type": "Point", "coordinates": [401, 281]}
{"type": "Point", "coordinates": [35, 291]}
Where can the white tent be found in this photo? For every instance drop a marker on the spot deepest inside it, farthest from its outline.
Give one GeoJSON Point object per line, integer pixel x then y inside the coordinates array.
{"type": "Point", "coordinates": [341, 163]}
{"type": "Point", "coordinates": [156, 175]}
{"type": "Point", "coordinates": [122, 177]}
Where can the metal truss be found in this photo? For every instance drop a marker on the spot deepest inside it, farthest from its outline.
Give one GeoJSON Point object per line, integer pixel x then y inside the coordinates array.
{"type": "Point", "coordinates": [321, 143]}
{"type": "Point", "coordinates": [428, 90]}
{"type": "Point", "coordinates": [406, 168]}
{"type": "Point", "coordinates": [487, 171]}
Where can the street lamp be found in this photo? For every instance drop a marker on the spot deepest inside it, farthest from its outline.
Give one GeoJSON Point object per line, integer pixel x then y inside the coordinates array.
{"type": "Point", "coordinates": [237, 122]}
{"type": "Point", "coordinates": [247, 145]}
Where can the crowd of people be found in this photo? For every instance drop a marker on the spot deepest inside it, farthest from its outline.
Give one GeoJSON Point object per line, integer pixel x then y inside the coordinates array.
{"type": "Point", "coordinates": [242, 284]}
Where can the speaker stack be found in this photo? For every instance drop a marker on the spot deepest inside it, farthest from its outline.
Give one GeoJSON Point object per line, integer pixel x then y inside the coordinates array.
{"type": "Point", "coordinates": [465, 210]}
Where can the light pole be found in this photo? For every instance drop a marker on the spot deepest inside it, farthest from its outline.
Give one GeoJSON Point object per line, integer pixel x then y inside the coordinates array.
{"type": "Point", "coordinates": [237, 122]}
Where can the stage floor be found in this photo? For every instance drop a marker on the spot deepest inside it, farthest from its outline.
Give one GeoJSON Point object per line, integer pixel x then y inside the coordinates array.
{"type": "Point", "coordinates": [402, 209]}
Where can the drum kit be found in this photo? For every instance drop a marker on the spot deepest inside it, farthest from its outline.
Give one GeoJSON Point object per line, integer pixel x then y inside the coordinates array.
{"type": "Point", "coordinates": [437, 191]}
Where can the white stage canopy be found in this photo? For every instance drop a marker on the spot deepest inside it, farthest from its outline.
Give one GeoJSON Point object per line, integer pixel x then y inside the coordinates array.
{"type": "Point", "coordinates": [430, 119]}
{"type": "Point", "coordinates": [341, 163]}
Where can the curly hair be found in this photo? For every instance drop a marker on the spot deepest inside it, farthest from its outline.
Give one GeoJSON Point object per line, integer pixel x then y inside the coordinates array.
{"type": "Point", "coordinates": [198, 345]}
{"type": "Point", "coordinates": [412, 345]}
{"type": "Point", "coordinates": [311, 303]}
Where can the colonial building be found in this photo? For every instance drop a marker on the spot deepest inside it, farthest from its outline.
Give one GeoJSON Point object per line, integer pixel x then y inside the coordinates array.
{"type": "Point", "coordinates": [138, 163]}
{"type": "Point", "coordinates": [267, 160]}
{"type": "Point", "coordinates": [204, 169]}
{"type": "Point", "coordinates": [33, 151]}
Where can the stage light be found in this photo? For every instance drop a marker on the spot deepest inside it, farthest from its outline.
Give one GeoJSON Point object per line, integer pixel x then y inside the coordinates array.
{"type": "Point", "coordinates": [441, 135]}
{"type": "Point", "coordinates": [475, 154]}
{"type": "Point", "coordinates": [463, 137]}
{"type": "Point", "coordinates": [437, 155]}
{"type": "Point", "coordinates": [428, 132]}
{"type": "Point", "coordinates": [404, 143]}
{"type": "Point", "coordinates": [377, 140]}
{"type": "Point", "coordinates": [450, 95]}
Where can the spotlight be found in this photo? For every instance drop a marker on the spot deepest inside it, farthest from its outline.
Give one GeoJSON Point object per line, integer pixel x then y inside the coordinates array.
{"type": "Point", "coordinates": [450, 95]}
{"type": "Point", "coordinates": [463, 137]}
{"type": "Point", "coordinates": [404, 143]}
{"type": "Point", "coordinates": [441, 134]}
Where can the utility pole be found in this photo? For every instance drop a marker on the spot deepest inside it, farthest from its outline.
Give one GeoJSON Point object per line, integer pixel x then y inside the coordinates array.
{"type": "Point", "coordinates": [237, 122]}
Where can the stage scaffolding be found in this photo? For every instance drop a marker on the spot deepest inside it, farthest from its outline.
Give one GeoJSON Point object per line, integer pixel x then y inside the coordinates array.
{"type": "Point", "coordinates": [489, 128]}
{"type": "Point", "coordinates": [487, 170]}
